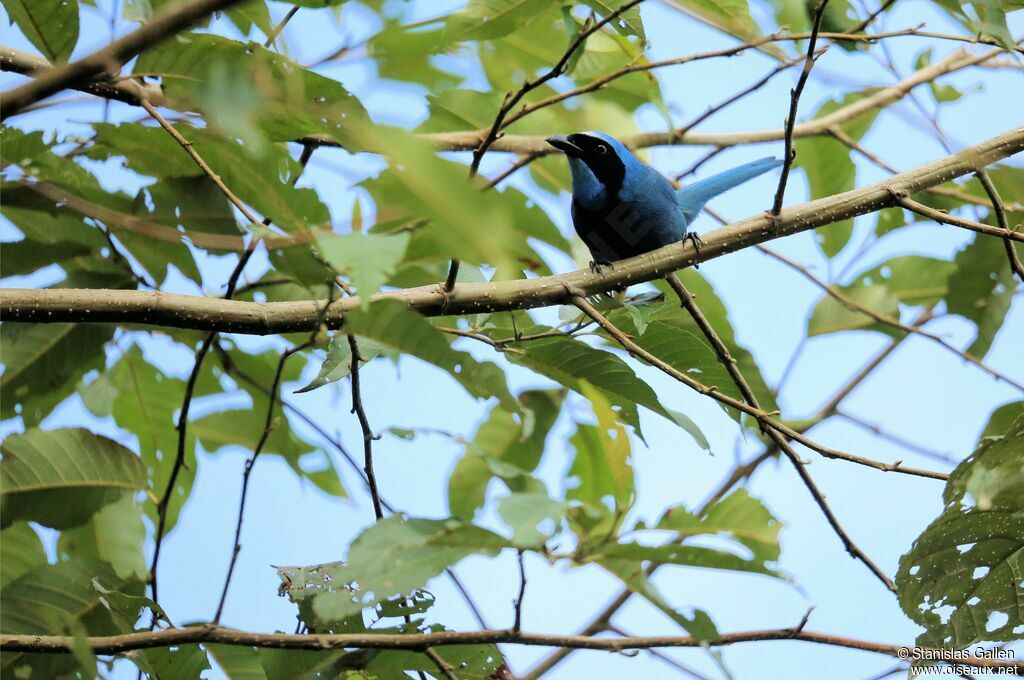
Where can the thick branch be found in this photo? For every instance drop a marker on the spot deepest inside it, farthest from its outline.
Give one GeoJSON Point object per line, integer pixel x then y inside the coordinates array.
{"type": "Point", "coordinates": [118, 644]}
{"type": "Point", "coordinates": [184, 311]}
{"type": "Point", "coordinates": [110, 59]}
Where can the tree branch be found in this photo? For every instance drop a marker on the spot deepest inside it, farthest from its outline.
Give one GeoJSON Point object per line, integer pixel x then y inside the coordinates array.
{"type": "Point", "coordinates": [184, 311]}
{"type": "Point", "coordinates": [119, 644]}
{"type": "Point", "coordinates": [164, 24]}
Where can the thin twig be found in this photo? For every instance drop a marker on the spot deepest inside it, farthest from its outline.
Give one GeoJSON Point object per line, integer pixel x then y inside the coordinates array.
{"type": "Point", "coordinates": [761, 82]}
{"type": "Point", "coordinates": [276, 31]}
{"type": "Point", "coordinates": [794, 101]}
{"type": "Point", "coordinates": [997, 208]}
{"type": "Point", "coordinates": [699, 163]}
{"type": "Point", "coordinates": [182, 426]}
{"type": "Point", "coordinates": [530, 84]}
{"type": "Point", "coordinates": [446, 670]}
{"type": "Point", "coordinates": [661, 656]}
{"type": "Point", "coordinates": [895, 439]}
{"type": "Point", "coordinates": [207, 170]}
{"type": "Point", "coordinates": [336, 444]}
{"type": "Point", "coordinates": [364, 423]}
{"type": "Point", "coordinates": [268, 427]}
{"type": "Point", "coordinates": [517, 623]}
{"type": "Point", "coordinates": [962, 222]}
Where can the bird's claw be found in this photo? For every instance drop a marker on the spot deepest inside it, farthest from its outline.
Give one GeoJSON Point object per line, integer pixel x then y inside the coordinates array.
{"type": "Point", "coordinates": [694, 238]}
{"type": "Point", "coordinates": [596, 265]}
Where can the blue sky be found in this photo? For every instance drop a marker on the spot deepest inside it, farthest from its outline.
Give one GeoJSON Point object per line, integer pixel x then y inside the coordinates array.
{"type": "Point", "coordinates": [922, 392]}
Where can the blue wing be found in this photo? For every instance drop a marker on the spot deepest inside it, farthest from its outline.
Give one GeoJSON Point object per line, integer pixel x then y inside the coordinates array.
{"type": "Point", "coordinates": [691, 199]}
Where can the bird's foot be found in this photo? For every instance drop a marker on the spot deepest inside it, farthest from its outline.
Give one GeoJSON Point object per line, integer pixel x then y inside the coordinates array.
{"type": "Point", "coordinates": [694, 238]}
{"type": "Point", "coordinates": [596, 265]}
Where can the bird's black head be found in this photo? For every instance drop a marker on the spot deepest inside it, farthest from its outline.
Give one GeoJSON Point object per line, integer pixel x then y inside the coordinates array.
{"type": "Point", "coordinates": [597, 152]}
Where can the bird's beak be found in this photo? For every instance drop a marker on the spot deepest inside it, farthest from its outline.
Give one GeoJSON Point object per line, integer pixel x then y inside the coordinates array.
{"type": "Point", "coordinates": [562, 143]}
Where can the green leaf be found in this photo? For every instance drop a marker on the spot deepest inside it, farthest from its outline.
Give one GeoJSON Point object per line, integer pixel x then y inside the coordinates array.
{"type": "Point", "coordinates": [628, 23]}
{"type": "Point", "coordinates": [247, 84]}
{"type": "Point", "coordinates": [397, 556]}
{"type": "Point", "coordinates": [338, 362]}
{"type": "Point", "coordinates": [489, 19]}
{"type": "Point", "coordinates": [462, 221]}
{"type": "Point", "coordinates": [962, 577]}
{"type": "Point", "coordinates": [1002, 418]}
{"type": "Point", "coordinates": [829, 168]}
{"type": "Point", "coordinates": [60, 478]}
{"type": "Point", "coordinates": [393, 326]}
{"type": "Point", "coordinates": [981, 289]}
{"type": "Point", "coordinates": [260, 177]}
{"type": "Point", "coordinates": [115, 535]}
{"type": "Point", "coordinates": [237, 663]}
{"type": "Point", "coordinates": [681, 555]}
{"type": "Point", "coordinates": [43, 363]}
{"type": "Point", "coordinates": [23, 552]}
{"type": "Point", "coordinates": [368, 260]}
{"type": "Point", "coordinates": [50, 25]}
{"type": "Point", "coordinates": [525, 513]}
{"type": "Point", "coordinates": [55, 599]}
{"type": "Point", "coordinates": [186, 662]}
{"type": "Point", "coordinates": [145, 402]}
{"type": "Point", "coordinates": [45, 599]}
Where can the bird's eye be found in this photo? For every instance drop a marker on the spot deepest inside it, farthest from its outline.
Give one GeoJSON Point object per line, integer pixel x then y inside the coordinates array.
{"type": "Point", "coordinates": [601, 149]}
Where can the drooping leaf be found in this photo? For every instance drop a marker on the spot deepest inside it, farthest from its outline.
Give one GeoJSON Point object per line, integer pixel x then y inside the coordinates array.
{"type": "Point", "coordinates": [961, 578]}
{"type": "Point", "coordinates": [489, 19]}
{"type": "Point", "coordinates": [981, 288]}
{"type": "Point", "coordinates": [60, 478]}
{"type": "Point", "coordinates": [186, 662]}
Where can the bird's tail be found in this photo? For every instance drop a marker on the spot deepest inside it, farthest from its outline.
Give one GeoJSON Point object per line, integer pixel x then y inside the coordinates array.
{"type": "Point", "coordinates": [692, 198]}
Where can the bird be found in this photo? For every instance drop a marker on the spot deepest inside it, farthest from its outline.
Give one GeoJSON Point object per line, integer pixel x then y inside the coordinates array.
{"type": "Point", "coordinates": [623, 207]}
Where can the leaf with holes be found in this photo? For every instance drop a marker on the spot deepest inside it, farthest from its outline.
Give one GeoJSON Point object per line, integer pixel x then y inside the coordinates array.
{"type": "Point", "coordinates": [398, 555]}
{"type": "Point", "coordinates": [962, 578]}
{"type": "Point", "coordinates": [60, 478]}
